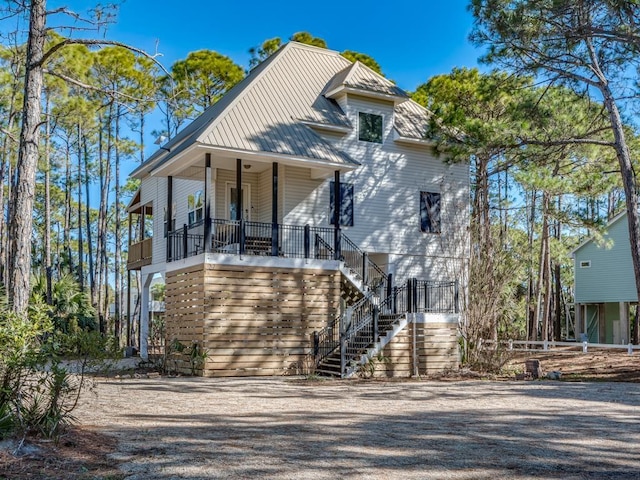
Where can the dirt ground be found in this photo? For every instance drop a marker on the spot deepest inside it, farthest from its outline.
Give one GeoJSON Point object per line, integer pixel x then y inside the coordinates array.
{"type": "Point", "coordinates": [194, 428]}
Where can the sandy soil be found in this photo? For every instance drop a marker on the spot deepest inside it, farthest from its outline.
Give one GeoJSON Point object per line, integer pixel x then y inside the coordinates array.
{"type": "Point", "coordinates": [278, 428]}
{"type": "Point", "coordinates": [285, 428]}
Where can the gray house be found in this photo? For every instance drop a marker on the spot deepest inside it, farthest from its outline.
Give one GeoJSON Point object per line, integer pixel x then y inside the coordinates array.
{"type": "Point", "coordinates": [605, 286]}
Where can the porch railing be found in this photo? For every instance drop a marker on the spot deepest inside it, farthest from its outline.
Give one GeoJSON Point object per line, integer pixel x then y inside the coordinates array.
{"type": "Point", "coordinates": [240, 237]}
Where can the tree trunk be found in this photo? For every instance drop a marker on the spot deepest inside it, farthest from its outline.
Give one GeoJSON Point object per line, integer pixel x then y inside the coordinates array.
{"type": "Point", "coordinates": [118, 251]}
{"type": "Point", "coordinates": [22, 196]}
{"type": "Point", "coordinates": [87, 180]}
{"type": "Point", "coordinates": [629, 182]}
{"type": "Point", "coordinates": [47, 203]}
{"type": "Point", "coordinates": [80, 238]}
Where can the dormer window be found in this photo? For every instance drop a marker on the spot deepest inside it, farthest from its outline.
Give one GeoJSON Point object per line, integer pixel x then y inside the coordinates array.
{"type": "Point", "coordinates": [369, 127]}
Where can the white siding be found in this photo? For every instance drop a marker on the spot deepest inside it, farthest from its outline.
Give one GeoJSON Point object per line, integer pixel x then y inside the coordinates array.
{"type": "Point", "coordinates": [387, 198]}
{"type": "Point", "coordinates": [303, 198]}
{"type": "Point", "coordinates": [154, 190]}
{"type": "Point", "coordinates": [225, 177]}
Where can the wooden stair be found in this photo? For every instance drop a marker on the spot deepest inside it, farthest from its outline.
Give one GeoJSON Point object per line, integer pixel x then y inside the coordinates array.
{"type": "Point", "coordinates": [387, 324]}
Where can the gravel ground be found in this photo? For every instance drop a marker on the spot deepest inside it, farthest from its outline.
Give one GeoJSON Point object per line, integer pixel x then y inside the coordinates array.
{"type": "Point", "coordinates": [282, 428]}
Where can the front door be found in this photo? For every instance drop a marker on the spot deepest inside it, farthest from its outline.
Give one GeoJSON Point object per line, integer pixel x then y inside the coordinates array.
{"type": "Point", "coordinates": [593, 323]}
{"type": "Point", "coordinates": [232, 199]}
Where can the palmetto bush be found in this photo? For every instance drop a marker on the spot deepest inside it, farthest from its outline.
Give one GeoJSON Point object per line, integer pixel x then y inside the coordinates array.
{"type": "Point", "coordinates": [37, 392]}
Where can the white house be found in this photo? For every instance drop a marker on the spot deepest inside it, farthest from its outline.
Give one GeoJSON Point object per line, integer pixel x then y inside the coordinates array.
{"type": "Point", "coordinates": [244, 225]}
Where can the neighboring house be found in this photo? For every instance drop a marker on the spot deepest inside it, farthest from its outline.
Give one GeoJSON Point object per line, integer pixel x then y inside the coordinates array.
{"type": "Point", "coordinates": [605, 286]}
{"type": "Point", "coordinates": [303, 219]}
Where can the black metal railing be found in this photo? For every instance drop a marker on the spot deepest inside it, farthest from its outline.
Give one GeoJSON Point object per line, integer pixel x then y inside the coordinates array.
{"type": "Point", "coordinates": [185, 242]}
{"type": "Point", "coordinates": [361, 265]}
{"type": "Point", "coordinates": [361, 330]}
{"type": "Point", "coordinates": [367, 319]}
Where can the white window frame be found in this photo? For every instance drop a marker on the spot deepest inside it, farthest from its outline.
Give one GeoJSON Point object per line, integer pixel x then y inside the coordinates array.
{"type": "Point", "coordinates": [585, 263]}
{"type": "Point", "coordinates": [195, 209]}
{"type": "Point", "coordinates": [246, 199]}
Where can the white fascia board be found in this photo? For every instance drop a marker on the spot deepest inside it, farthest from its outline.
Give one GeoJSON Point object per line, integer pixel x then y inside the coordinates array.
{"type": "Point", "coordinates": [284, 159]}
{"type": "Point", "coordinates": [342, 90]}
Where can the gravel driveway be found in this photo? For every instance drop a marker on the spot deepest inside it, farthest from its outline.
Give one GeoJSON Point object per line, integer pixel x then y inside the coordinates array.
{"type": "Point", "coordinates": [281, 428]}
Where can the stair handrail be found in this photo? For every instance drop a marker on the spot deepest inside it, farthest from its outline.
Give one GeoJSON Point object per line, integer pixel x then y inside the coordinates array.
{"type": "Point", "coordinates": [360, 263]}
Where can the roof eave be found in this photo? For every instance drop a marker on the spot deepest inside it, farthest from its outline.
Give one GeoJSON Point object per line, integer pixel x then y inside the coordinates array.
{"type": "Point", "coordinates": [345, 90]}
{"type": "Point", "coordinates": [283, 158]}
{"type": "Point", "coordinates": [327, 126]}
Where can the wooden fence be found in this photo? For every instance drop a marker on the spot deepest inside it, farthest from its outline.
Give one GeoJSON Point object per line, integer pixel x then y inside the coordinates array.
{"type": "Point", "coordinates": [551, 344]}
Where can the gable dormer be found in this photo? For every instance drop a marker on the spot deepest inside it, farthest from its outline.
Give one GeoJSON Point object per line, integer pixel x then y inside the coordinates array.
{"type": "Point", "coordinates": [358, 79]}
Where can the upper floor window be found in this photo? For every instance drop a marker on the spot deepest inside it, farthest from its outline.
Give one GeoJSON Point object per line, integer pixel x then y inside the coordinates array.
{"type": "Point", "coordinates": [430, 204]}
{"type": "Point", "coordinates": [346, 204]}
{"type": "Point", "coordinates": [195, 207]}
{"type": "Point", "coordinates": [369, 127]}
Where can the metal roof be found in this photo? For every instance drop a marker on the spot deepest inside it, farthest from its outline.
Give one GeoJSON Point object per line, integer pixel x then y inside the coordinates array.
{"type": "Point", "coordinates": [358, 76]}
{"type": "Point", "coordinates": [276, 107]}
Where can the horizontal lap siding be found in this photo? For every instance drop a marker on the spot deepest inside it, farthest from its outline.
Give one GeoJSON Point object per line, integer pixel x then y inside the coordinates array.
{"type": "Point", "coordinates": [184, 314]}
{"type": "Point", "coordinates": [436, 349]}
{"type": "Point", "coordinates": [253, 321]}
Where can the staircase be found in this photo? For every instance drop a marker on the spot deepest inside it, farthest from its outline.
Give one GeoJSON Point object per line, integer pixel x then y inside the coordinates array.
{"type": "Point", "coordinates": [377, 312]}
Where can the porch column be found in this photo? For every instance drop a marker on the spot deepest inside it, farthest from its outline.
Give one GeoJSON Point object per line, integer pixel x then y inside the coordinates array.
{"type": "Point", "coordinates": [239, 215]}
{"type": "Point", "coordinates": [577, 322]}
{"type": "Point", "coordinates": [624, 322]}
{"type": "Point", "coordinates": [169, 218]}
{"type": "Point", "coordinates": [337, 204]}
{"type": "Point", "coordinates": [274, 210]}
{"type": "Point", "coordinates": [207, 202]}
{"type": "Point", "coordinates": [144, 317]}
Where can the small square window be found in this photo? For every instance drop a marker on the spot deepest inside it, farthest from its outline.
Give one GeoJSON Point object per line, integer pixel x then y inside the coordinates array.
{"type": "Point", "coordinates": [369, 127]}
{"type": "Point", "coordinates": [430, 204]}
{"type": "Point", "coordinates": [585, 264]}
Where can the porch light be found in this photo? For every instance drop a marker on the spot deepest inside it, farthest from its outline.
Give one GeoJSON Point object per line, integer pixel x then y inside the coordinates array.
{"type": "Point", "coordinates": [246, 166]}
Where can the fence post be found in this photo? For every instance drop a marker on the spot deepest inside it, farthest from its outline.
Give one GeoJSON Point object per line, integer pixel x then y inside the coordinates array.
{"type": "Point", "coordinates": [414, 285]}
{"type": "Point", "coordinates": [456, 299]}
{"type": "Point", "coordinates": [307, 241]}
{"type": "Point", "coordinates": [394, 302]}
{"type": "Point", "coordinates": [274, 238]}
{"type": "Point", "coordinates": [545, 345]}
{"type": "Point", "coordinates": [241, 237]}
{"type": "Point", "coordinates": [316, 344]}
{"type": "Point", "coordinates": [337, 241]}
{"type": "Point", "coordinates": [375, 323]}
{"type": "Point", "coordinates": [510, 345]}
{"type": "Point", "coordinates": [365, 275]}
{"type": "Point", "coordinates": [630, 349]}
{"type": "Point", "coordinates": [584, 346]}
{"type": "Point", "coordinates": [409, 296]}
{"type": "Point", "coordinates": [184, 241]}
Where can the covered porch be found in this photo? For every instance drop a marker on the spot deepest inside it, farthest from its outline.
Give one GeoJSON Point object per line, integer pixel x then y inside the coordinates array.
{"type": "Point", "coordinates": [252, 207]}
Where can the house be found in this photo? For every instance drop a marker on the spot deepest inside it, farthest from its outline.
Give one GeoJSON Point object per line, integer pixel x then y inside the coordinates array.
{"type": "Point", "coordinates": [304, 222]}
{"type": "Point", "coordinates": [605, 287]}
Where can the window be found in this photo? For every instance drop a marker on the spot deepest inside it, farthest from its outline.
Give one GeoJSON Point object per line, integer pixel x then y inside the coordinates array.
{"type": "Point", "coordinates": [170, 228]}
{"type": "Point", "coordinates": [430, 204]}
{"type": "Point", "coordinates": [346, 206]}
{"type": "Point", "coordinates": [585, 264]}
{"type": "Point", "coordinates": [369, 127]}
{"type": "Point", "coordinates": [195, 207]}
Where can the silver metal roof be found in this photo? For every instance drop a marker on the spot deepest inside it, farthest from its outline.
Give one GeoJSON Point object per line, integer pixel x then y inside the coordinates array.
{"type": "Point", "coordinates": [274, 109]}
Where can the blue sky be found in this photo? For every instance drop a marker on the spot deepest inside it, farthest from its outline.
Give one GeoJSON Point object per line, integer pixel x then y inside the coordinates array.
{"type": "Point", "coordinates": [411, 40]}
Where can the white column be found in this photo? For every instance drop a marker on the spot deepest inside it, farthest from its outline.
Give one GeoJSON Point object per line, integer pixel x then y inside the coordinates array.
{"type": "Point", "coordinates": [144, 317]}
{"type": "Point", "coordinates": [624, 322]}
